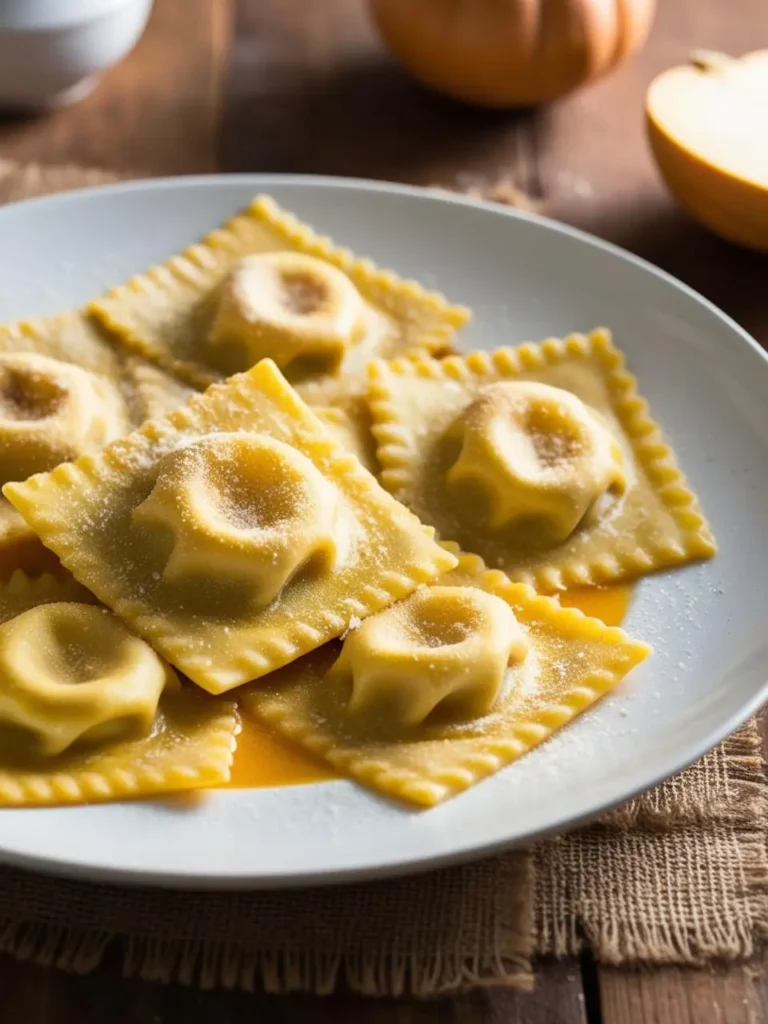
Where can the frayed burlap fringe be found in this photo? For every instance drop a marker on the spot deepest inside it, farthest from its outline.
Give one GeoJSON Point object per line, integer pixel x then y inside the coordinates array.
{"type": "Point", "coordinates": [679, 875]}
{"type": "Point", "coordinates": [211, 965]}
{"type": "Point", "coordinates": [54, 945]}
{"type": "Point", "coordinates": [731, 790]}
{"type": "Point", "coordinates": [460, 928]}
{"type": "Point", "coordinates": [367, 973]}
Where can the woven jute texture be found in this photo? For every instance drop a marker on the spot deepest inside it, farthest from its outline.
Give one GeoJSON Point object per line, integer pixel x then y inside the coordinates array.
{"type": "Point", "coordinates": [679, 875]}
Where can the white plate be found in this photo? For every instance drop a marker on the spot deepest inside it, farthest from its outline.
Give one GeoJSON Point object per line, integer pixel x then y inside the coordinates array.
{"type": "Point", "coordinates": [524, 278]}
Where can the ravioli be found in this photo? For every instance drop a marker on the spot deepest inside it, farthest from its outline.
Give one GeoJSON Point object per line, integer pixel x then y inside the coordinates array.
{"type": "Point", "coordinates": [543, 460]}
{"type": "Point", "coordinates": [235, 534]}
{"type": "Point", "coordinates": [446, 687]}
{"type": "Point", "coordinates": [88, 711]}
{"type": "Point", "coordinates": [265, 285]}
{"type": "Point", "coordinates": [64, 391]}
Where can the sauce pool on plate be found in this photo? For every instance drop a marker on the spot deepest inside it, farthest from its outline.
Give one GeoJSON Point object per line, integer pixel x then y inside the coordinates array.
{"type": "Point", "coordinates": [609, 604]}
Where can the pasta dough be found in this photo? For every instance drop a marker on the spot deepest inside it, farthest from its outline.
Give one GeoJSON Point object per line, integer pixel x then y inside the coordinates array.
{"type": "Point", "coordinates": [564, 483]}
{"type": "Point", "coordinates": [412, 703]}
{"type": "Point", "coordinates": [173, 529]}
{"type": "Point", "coordinates": [265, 285]}
{"type": "Point", "coordinates": [64, 391]}
{"type": "Point", "coordinates": [89, 712]}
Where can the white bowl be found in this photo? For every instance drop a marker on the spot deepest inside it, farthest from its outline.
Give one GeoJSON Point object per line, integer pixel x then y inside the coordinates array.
{"type": "Point", "coordinates": [52, 52]}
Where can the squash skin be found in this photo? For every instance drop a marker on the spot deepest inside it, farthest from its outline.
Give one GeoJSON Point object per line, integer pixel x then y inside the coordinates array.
{"type": "Point", "coordinates": [732, 206]}
{"type": "Point", "coordinates": [511, 53]}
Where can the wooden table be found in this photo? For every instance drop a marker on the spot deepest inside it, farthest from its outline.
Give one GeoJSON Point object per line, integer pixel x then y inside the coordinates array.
{"type": "Point", "coordinates": [291, 85]}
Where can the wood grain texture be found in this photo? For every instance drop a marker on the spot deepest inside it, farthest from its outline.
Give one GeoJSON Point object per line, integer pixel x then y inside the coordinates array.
{"type": "Point", "coordinates": [37, 995]}
{"type": "Point", "coordinates": [312, 90]}
{"type": "Point", "coordinates": [672, 995]}
{"type": "Point", "coordinates": [597, 172]}
{"type": "Point", "coordinates": [158, 112]}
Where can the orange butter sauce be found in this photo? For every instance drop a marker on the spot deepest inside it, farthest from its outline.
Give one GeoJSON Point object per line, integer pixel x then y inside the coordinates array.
{"type": "Point", "coordinates": [609, 604]}
{"type": "Point", "coordinates": [265, 759]}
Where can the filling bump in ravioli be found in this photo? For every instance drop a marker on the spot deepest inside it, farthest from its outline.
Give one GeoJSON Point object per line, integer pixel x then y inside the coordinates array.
{"type": "Point", "coordinates": [542, 459]}
{"type": "Point", "coordinates": [426, 698]}
{"type": "Point", "coordinates": [288, 306]}
{"type": "Point", "coordinates": [446, 650]}
{"type": "Point", "coordinates": [72, 673]}
{"type": "Point", "coordinates": [245, 506]}
{"type": "Point", "coordinates": [536, 453]}
{"type": "Point", "coordinates": [88, 711]}
{"type": "Point", "coordinates": [235, 534]}
{"type": "Point", "coordinates": [51, 412]}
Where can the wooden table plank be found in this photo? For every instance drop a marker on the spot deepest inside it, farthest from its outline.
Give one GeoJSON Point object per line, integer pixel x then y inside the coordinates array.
{"type": "Point", "coordinates": [311, 90]}
{"type": "Point", "coordinates": [598, 174]}
{"type": "Point", "coordinates": [674, 995]}
{"type": "Point", "coordinates": [39, 995]}
{"type": "Point", "coordinates": [158, 111]}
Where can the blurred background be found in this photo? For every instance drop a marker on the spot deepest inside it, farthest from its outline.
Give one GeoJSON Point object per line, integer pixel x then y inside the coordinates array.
{"type": "Point", "coordinates": [322, 88]}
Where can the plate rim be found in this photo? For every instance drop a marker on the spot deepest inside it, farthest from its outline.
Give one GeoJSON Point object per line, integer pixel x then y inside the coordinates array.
{"type": "Point", "coordinates": [433, 193]}
{"type": "Point", "coordinates": [461, 852]}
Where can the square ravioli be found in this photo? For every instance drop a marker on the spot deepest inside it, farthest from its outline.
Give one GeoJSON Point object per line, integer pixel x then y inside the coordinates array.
{"type": "Point", "coordinates": [89, 712]}
{"type": "Point", "coordinates": [439, 691]}
{"type": "Point", "coordinates": [543, 459]}
{"type": "Point", "coordinates": [235, 534]}
{"type": "Point", "coordinates": [264, 285]}
{"type": "Point", "coordinates": [64, 390]}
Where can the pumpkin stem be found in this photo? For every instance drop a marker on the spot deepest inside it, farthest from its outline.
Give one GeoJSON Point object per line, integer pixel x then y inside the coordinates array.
{"type": "Point", "coordinates": [711, 60]}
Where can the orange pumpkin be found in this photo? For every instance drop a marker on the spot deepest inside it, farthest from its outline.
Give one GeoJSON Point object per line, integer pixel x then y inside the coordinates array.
{"type": "Point", "coordinates": [511, 53]}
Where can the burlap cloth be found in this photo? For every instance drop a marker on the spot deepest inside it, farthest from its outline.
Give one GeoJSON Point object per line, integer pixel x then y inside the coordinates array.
{"type": "Point", "coordinates": [679, 875]}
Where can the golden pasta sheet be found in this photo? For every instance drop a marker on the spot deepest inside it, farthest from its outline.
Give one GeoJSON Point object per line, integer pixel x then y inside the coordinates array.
{"type": "Point", "coordinates": [264, 285]}
{"type": "Point", "coordinates": [157, 391]}
{"type": "Point", "coordinates": [235, 534]}
{"type": "Point", "coordinates": [437, 692]}
{"type": "Point", "coordinates": [350, 423]}
{"type": "Point", "coordinates": [542, 459]}
{"type": "Point", "coordinates": [89, 712]}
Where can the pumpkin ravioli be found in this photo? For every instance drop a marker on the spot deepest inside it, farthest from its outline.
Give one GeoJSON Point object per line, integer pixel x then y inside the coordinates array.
{"type": "Point", "coordinates": [265, 285]}
{"type": "Point", "coordinates": [75, 338]}
{"type": "Point", "coordinates": [428, 697]}
{"type": "Point", "coordinates": [64, 391]}
{"type": "Point", "coordinates": [542, 459]}
{"type": "Point", "coordinates": [235, 533]}
{"type": "Point", "coordinates": [90, 712]}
